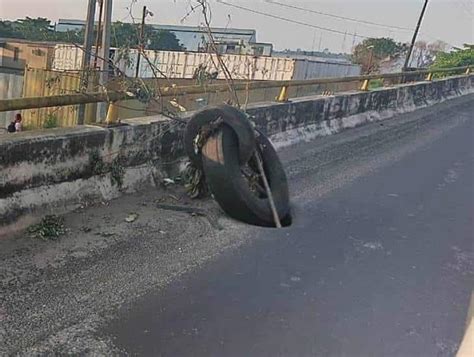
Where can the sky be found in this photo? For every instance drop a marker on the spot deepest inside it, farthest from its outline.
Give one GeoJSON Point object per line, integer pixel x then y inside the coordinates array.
{"type": "Point", "coordinates": [451, 21]}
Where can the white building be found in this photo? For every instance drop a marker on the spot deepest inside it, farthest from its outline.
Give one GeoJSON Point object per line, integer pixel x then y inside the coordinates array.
{"type": "Point", "coordinates": [192, 38]}
{"type": "Point", "coordinates": [195, 39]}
{"type": "Point", "coordinates": [64, 25]}
{"type": "Point", "coordinates": [242, 48]}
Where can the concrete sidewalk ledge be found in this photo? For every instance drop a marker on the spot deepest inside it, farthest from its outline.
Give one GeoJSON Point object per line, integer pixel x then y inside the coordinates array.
{"type": "Point", "coordinates": [55, 170]}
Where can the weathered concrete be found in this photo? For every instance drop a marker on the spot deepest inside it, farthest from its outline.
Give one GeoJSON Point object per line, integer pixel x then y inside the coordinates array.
{"type": "Point", "coordinates": [57, 169]}
{"type": "Point", "coordinates": [304, 119]}
{"type": "Point", "coordinates": [62, 167]}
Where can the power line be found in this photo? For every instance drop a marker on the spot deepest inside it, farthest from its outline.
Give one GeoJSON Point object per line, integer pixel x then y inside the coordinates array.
{"type": "Point", "coordinates": [400, 28]}
{"type": "Point", "coordinates": [340, 17]}
{"type": "Point", "coordinates": [287, 19]}
{"type": "Point", "coordinates": [314, 26]}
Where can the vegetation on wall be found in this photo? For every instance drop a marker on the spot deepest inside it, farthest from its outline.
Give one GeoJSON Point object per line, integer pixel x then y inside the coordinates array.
{"type": "Point", "coordinates": [51, 121]}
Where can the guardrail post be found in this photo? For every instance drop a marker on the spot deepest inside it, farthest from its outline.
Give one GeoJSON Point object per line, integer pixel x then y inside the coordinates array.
{"type": "Point", "coordinates": [365, 85]}
{"type": "Point", "coordinates": [429, 77]}
{"type": "Point", "coordinates": [468, 71]}
{"type": "Point", "coordinates": [283, 96]}
{"type": "Point", "coordinates": [112, 114]}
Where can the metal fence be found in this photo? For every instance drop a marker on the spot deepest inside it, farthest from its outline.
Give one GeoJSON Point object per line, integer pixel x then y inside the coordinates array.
{"type": "Point", "coordinates": [188, 96]}
{"type": "Point", "coordinates": [47, 83]}
{"type": "Point", "coordinates": [11, 86]}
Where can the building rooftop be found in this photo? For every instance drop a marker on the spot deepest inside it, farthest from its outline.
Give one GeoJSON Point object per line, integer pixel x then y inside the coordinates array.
{"type": "Point", "coordinates": [250, 32]}
{"type": "Point", "coordinates": [72, 21]}
{"type": "Point", "coordinates": [4, 40]}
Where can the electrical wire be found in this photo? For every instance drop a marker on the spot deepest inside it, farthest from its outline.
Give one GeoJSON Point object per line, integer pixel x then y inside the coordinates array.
{"type": "Point", "coordinates": [311, 25]}
{"type": "Point", "coordinates": [288, 19]}
{"type": "Point", "coordinates": [366, 22]}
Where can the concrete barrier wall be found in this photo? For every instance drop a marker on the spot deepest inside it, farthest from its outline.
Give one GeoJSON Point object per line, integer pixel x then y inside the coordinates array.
{"type": "Point", "coordinates": [306, 118]}
{"type": "Point", "coordinates": [58, 169]}
{"type": "Point", "coordinates": [61, 168]}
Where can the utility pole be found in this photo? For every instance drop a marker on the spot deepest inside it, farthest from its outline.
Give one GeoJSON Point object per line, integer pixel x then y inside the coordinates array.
{"type": "Point", "coordinates": [371, 58]}
{"type": "Point", "coordinates": [86, 56]}
{"type": "Point", "coordinates": [104, 51]}
{"type": "Point", "coordinates": [99, 32]}
{"type": "Point", "coordinates": [314, 42]}
{"type": "Point", "coordinates": [343, 47]}
{"type": "Point", "coordinates": [142, 40]}
{"type": "Point", "coordinates": [410, 50]}
{"type": "Point", "coordinates": [354, 40]}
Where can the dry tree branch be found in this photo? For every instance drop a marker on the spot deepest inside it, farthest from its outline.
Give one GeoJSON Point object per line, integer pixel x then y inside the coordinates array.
{"type": "Point", "coordinates": [130, 83]}
{"type": "Point", "coordinates": [192, 9]}
{"type": "Point", "coordinates": [155, 70]}
{"type": "Point", "coordinates": [207, 13]}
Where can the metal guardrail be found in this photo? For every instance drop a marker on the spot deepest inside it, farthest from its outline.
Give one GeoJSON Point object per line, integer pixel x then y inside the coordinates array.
{"type": "Point", "coordinates": [167, 92]}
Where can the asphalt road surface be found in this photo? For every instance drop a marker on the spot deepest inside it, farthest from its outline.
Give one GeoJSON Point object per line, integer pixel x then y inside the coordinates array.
{"type": "Point", "coordinates": [379, 260]}
{"type": "Point", "coordinates": [380, 266]}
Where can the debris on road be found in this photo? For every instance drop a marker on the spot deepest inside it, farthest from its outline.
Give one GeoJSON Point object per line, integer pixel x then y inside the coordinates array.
{"type": "Point", "coordinates": [51, 227]}
{"type": "Point", "coordinates": [178, 208]}
{"type": "Point", "coordinates": [167, 181]}
{"type": "Point", "coordinates": [240, 166]}
{"type": "Point", "coordinates": [193, 211]}
{"type": "Point", "coordinates": [132, 217]}
{"type": "Point", "coordinates": [173, 197]}
{"type": "Point", "coordinates": [106, 234]}
{"type": "Point", "coordinates": [194, 181]}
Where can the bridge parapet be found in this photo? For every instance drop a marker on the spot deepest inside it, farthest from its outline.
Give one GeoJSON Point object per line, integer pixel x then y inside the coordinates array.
{"type": "Point", "coordinates": [55, 170]}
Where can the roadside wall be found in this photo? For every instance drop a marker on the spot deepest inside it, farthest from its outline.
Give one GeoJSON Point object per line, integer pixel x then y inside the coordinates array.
{"type": "Point", "coordinates": [304, 119]}
{"type": "Point", "coordinates": [59, 169]}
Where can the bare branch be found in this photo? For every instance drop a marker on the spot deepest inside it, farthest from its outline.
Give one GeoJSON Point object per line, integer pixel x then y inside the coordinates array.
{"type": "Point", "coordinates": [207, 13]}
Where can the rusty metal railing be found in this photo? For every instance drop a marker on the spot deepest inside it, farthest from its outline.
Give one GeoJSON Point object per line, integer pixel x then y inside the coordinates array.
{"type": "Point", "coordinates": [167, 92]}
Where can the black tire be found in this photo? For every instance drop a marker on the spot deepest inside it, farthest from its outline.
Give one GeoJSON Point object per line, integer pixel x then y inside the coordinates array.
{"type": "Point", "coordinates": [232, 191]}
{"type": "Point", "coordinates": [233, 118]}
